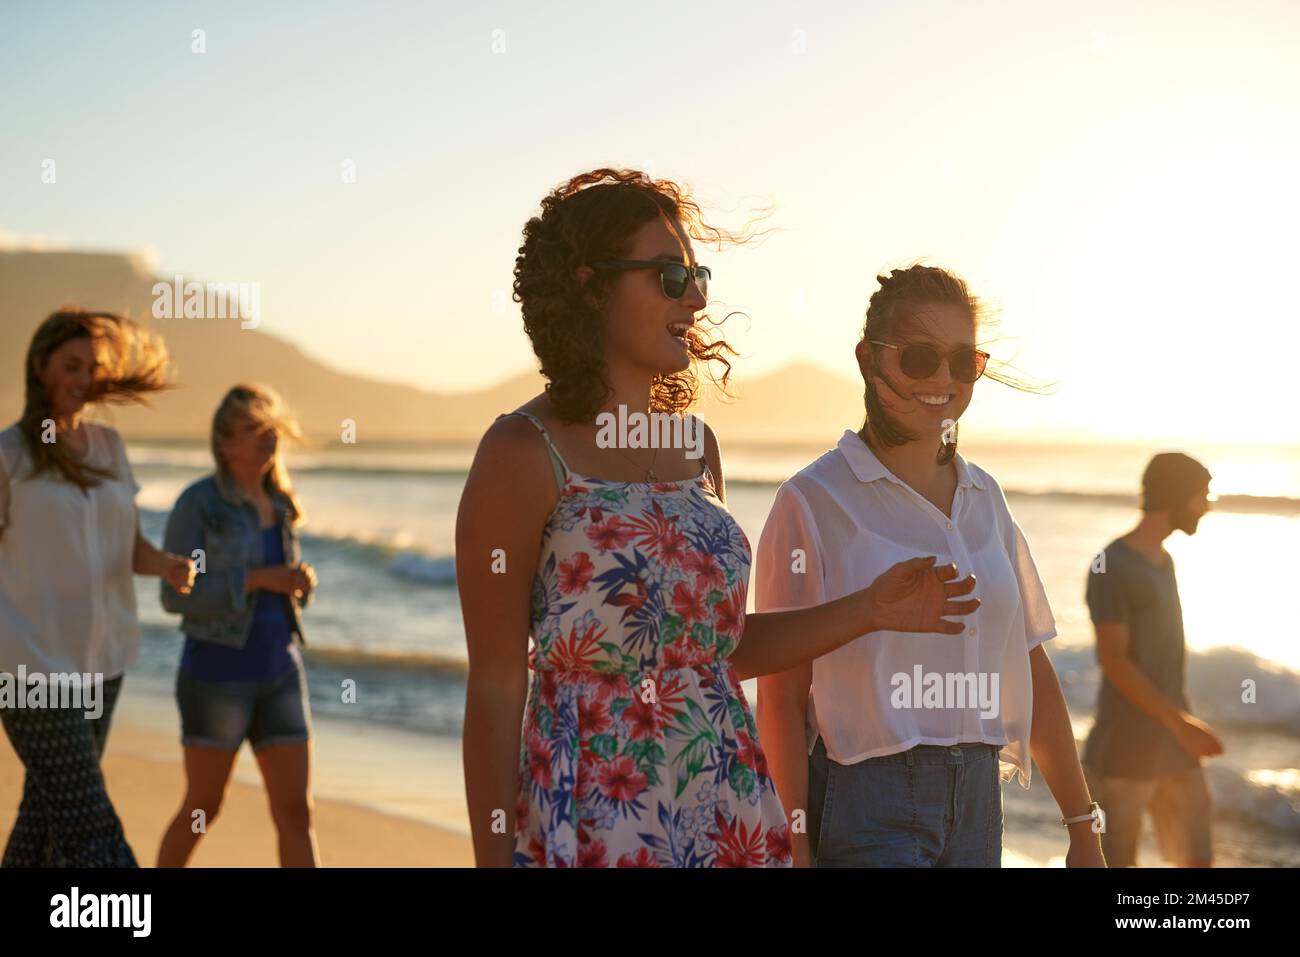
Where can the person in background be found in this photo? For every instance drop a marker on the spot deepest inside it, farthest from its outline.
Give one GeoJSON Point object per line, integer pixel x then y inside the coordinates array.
{"type": "Point", "coordinates": [1145, 750]}
{"type": "Point", "coordinates": [70, 543]}
{"type": "Point", "coordinates": [241, 674]}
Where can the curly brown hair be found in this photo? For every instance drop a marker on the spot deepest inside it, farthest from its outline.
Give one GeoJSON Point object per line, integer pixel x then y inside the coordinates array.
{"type": "Point", "coordinates": [892, 308]}
{"type": "Point", "coordinates": [584, 220]}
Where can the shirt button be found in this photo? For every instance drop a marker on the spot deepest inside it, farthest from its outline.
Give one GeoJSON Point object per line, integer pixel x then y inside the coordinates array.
{"type": "Point", "coordinates": [950, 524]}
{"type": "Point", "coordinates": [972, 631]}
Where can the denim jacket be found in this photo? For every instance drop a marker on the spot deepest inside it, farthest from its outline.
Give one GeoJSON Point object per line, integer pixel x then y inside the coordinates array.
{"type": "Point", "coordinates": [212, 515]}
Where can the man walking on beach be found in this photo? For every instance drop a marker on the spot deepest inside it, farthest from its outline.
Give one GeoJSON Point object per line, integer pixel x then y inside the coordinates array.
{"type": "Point", "coordinates": [1145, 748]}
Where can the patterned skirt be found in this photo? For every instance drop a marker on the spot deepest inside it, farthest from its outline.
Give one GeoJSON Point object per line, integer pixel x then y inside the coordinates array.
{"type": "Point", "coordinates": [652, 769]}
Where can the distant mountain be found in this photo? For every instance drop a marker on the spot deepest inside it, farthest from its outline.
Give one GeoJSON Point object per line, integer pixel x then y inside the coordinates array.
{"type": "Point", "coordinates": [801, 402]}
{"type": "Point", "coordinates": [209, 355]}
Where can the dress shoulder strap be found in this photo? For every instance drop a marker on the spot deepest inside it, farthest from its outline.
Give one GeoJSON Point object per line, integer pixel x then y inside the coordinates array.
{"type": "Point", "coordinates": [558, 464]}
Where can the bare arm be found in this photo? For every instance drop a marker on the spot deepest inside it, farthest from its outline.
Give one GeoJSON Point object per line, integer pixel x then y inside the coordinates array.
{"type": "Point", "coordinates": [1112, 652]}
{"type": "Point", "coordinates": [782, 716]}
{"type": "Point", "coordinates": [145, 558]}
{"type": "Point", "coordinates": [782, 710]}
{"type": "Point", "coordinates": [713, 455]}
{"type": "Point", "coordinates": [508, 496]}
{"type": "Point", "coordinates": [176, 570]}
{"type": "Point", "coordinates": [911, 596]}
{"type": "Point", "coordinates": [1051, 743]}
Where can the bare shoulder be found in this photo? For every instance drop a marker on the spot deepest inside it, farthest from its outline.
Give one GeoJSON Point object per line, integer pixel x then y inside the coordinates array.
{"type": "Point", "coordinates": [712, 448]}
{"type": "Point", "coordinates": [511, 445]}
{"type": "Point", "coordinates": [512, 468]}
{"type": "Point", "coordinates": [510, 489]}
{"type": "Point", "coordinates": [713, 455]}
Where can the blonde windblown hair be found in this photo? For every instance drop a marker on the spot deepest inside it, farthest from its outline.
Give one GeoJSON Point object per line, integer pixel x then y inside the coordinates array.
{"type": "Point", "coordinates": [263, 406]}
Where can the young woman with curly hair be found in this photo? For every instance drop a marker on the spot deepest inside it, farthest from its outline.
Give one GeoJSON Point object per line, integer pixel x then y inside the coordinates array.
{"type": "Point", "coordinates": [631, 744]}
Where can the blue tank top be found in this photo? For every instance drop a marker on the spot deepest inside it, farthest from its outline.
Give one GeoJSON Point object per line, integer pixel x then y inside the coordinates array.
{"type": "Point", "coordinates": [270, 651]}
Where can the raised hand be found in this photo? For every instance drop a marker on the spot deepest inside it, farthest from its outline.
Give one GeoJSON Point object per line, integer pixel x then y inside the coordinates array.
{"type": "Point", "coordinates": [915, 596]}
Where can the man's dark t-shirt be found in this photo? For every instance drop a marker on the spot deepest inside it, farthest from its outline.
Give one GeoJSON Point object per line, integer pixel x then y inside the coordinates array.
{"type": "Point", "coordinates": [1125, 741]}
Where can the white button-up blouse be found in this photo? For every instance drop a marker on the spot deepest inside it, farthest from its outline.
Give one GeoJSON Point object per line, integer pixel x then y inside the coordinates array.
{"type": "Point", "coordinates": [834, 527]}
{"type": "Point", "coordinates": [67, 592]}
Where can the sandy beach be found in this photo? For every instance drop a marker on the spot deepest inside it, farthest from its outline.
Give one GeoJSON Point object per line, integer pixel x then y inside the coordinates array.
{"type": "Point", "coordinates": [385, 798]}
{"type": "Point", "coordinates": [145, 779]}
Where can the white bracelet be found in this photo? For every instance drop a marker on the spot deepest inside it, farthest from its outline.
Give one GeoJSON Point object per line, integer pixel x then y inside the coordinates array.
{"type": "Point", "coordinates": [1093, 814]}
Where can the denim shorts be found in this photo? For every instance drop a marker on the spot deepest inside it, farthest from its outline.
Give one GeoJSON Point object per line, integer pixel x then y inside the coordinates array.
{"type": "Point", "coordinates": [221, 714]}
{"type": "Point", "coordinates": [931, 806]}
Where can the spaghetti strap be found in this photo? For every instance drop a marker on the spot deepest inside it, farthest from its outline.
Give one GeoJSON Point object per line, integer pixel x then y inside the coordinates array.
{"type": "Point", "coordinates": [558, 465]}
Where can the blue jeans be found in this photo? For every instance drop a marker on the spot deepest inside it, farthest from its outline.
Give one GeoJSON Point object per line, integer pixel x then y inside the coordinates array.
{"type": "Point", "coordinates": [221, 714]}
{"type": "Point", "coordinates": [931, 806]}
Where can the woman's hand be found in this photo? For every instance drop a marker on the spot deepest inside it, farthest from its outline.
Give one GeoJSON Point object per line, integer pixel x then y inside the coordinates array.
{"type": "Point", "coordinates": [178, 572]}
{"type": "Point", "coordinates": [305, 580]}
{"type": "Point", "coordinates": [915, 596]}
{"type": "Point", "coordinates": [292, 580]}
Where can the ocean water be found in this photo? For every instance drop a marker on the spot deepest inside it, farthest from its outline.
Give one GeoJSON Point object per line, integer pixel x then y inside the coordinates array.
{"type": "Point", "coordinates": [380, 533]}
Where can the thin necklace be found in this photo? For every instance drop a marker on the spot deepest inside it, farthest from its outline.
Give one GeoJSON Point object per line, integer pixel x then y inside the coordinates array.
{"type": "Point", "coordinates": [649, 472]}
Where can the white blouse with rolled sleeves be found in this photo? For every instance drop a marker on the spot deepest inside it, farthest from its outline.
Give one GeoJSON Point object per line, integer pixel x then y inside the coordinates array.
{"type": "Point", "coordinates": [67, 593]}
{"type": "Point", "coordinates": [851, 518]}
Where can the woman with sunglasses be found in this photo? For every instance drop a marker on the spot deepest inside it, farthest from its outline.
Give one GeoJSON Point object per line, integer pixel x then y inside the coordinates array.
{"type": "Point", "coordinates": [637, 747]}
{"type": "Point", "coordinates": [895, 746]}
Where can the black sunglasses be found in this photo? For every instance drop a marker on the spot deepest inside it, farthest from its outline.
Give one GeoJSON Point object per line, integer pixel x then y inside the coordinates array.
{"type": "Point", "coordinates": [919, 361]}
{"type": "Point", "coordinates": [673, 276]}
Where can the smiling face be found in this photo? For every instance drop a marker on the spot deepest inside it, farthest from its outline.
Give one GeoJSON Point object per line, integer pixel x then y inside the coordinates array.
{"type": "Point", "coordinates": [922, 406]}
{"type": "Point", "coordinates": [68, 375]}
{"type": "Point", "coordinates": [645, 328]}
{"type": "Point", "coordinates": [250, 446]}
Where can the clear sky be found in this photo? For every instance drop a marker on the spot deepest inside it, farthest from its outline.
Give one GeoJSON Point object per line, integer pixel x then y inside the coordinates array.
{"type": "Point", "coordinates": [1119, 179]}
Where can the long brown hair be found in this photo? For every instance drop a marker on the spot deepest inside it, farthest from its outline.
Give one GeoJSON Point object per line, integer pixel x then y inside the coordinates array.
{"type": "Point", "coordinates": [262, 405]}
{"type": "Point", "coordinates": [584, 220]}
{"type": "Point", "coordinates": [132, 364]}
{"type": "Point", "coordinates": [892, 309]}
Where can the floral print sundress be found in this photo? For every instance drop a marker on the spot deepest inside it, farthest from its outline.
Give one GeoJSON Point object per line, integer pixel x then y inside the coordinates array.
{"type": "Point", "coordinates": [638, 747]}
